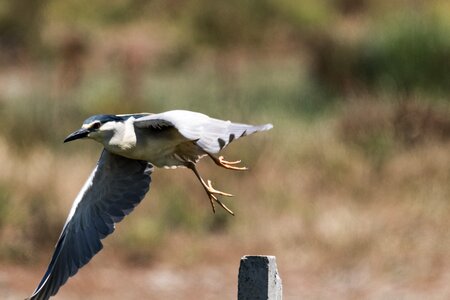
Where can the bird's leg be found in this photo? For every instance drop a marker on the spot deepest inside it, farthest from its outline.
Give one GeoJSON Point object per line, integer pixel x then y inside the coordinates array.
{"type": "Point", "coordinates": [220, 161]}
{"type": "Point", "coordinates": [210, 191]}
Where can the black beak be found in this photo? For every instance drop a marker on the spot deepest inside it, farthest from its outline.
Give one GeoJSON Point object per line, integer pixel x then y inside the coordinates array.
{"type": "Point", "coordinates": [79, 134]}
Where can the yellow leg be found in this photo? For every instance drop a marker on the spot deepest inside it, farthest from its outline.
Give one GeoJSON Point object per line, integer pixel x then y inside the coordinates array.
{"type": "Point", "coordinates": [210, 191]}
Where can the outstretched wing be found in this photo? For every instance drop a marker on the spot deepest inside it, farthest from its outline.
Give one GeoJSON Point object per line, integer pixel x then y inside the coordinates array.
{"type": "Point", "coordinates": [212, 135]}
{"type": "Point", "coordinates": [114, 188]}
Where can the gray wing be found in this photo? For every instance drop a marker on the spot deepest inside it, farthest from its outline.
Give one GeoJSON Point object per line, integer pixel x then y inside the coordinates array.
{"type": "Point", "coordinates": [212, 135]}
{"type": "Point", "coordinates": [112, 191]}
{"type": "Point", "coordinates": [154, 123]}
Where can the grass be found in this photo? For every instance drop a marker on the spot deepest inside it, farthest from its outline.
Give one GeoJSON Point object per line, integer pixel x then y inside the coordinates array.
{"type": "Point", "coordinates": [349, 190]}
{"type": "Point", "coordinates": [332, 190]}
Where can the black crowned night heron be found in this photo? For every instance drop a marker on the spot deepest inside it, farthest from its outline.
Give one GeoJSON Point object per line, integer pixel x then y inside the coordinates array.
{"type": "Point", "coordinates": [133, 145]}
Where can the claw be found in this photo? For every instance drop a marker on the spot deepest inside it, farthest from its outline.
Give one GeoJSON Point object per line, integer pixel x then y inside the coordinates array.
{"type": "Point", "coordinates": [212, 198]}
{"type": "Point", "coordinates": [212, 192]}
{"type": "Point", "coordinates": [230, 164]}
{"type": "Point", "coordinates": [220, 161]}
{"type": "Point", "coordinates": [225, 207]}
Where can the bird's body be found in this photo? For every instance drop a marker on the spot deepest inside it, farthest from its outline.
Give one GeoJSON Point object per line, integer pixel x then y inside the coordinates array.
{"type": "Point", "coordinates": [156, 143]}
{"type": "Point", "coordinates": [133, 144]}
{"type": "Point", "coordinates": [170, 139]}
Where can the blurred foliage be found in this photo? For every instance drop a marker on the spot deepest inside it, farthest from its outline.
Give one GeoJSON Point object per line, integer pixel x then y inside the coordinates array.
{"type": "Point", "coordinates": [225, 24]}
{"type": "Point", "coordinates": [409, 53]}
{"type": "Point", "coordinates": [143, 241]}
{"type": "Point", "coordinates": [369, 128]}
{"type": "Point", "coordinates": [400, 47]}
{"type": "Point", "coordinates": [20, 28]}
{"type": "Point", "coordinates": [416, 123]}
{"type": "Point", "coordinates": [356, 164]}
{"type": "Point", "coordinates": [90, 13]}
{"type": "Point", "coordinates": [306, 15]}
{"type": "Point", "coordinates": [379, 129]}
{"type": "Point", "coordinates": [4, 206]}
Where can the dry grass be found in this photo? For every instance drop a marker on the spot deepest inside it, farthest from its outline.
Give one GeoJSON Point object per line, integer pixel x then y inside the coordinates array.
{"type": "Point", "coordinates": [340, 224]}
{"type": "Point", "coordinates": [350, 190]}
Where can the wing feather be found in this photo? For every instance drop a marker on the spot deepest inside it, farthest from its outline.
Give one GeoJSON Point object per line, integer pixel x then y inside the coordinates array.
{"type": "Point", "coordinates": [212, 135]}
{"type": "Point", "coordinates": [114, 188]}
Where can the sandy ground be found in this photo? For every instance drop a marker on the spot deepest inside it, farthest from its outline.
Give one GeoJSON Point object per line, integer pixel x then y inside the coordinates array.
{"type": "Point", "coordinates": [118, 281]}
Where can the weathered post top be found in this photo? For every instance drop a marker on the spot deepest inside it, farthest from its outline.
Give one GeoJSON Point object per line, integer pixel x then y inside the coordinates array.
{"type": "Point", "coordinates": [259, 279]}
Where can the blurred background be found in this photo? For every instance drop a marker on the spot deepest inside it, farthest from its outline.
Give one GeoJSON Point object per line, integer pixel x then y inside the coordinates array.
{"type": "Point", "coordinates": [350, 190]}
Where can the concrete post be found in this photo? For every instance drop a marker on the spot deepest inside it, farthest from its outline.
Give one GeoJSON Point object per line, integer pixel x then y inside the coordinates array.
{"type": "Point", "coordinates": [259, 279]}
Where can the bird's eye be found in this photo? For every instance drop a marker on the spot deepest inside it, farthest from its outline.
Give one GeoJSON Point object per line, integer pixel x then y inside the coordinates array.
{"type": "Point", "coordinates": [96, 125]}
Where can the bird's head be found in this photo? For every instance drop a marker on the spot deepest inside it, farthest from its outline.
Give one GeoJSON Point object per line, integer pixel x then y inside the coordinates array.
{"type": "Point", "coordinates": [98, 127]}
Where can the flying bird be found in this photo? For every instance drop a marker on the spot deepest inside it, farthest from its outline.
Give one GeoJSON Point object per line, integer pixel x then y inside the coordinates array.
{"type": "Point", "coordinates": [133, 144]}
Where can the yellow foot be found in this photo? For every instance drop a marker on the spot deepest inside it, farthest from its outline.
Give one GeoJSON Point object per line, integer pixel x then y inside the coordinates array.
{"type": "Point", "coordinates": [212, 192]}
{"type": "Point", "coordinates": [229, 164]}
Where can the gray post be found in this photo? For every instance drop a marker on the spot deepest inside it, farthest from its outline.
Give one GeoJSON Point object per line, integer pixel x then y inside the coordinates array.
{"type": "Point", "coordinates": [259, 279]}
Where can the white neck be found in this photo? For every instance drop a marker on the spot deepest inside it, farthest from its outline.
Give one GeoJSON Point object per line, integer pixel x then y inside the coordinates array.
{"type": "Point", "coordinates": [117, 136]}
